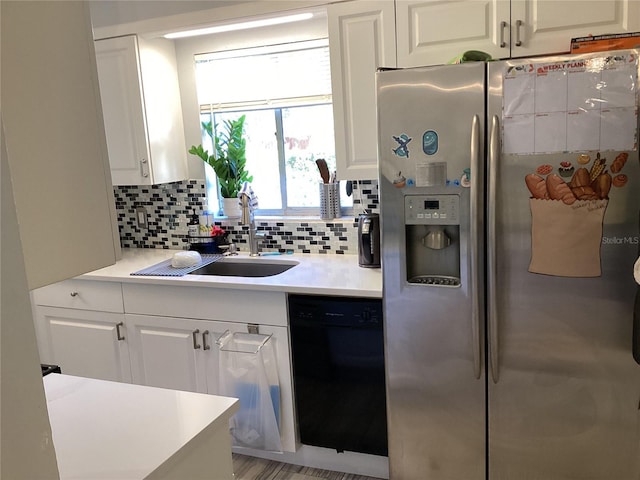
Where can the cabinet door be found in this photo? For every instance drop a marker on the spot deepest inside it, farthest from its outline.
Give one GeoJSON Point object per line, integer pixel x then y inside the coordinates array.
{"type": "Point", "coordinates": [163, 110]}
{"type": "Point", "coordinates": [433, 32]}
{"type": "Point", "coordinates": [83, 342]}
{"type": "Point", "coordinates": [124, 121]}
{"type": "Point", "coordinates": [142, 110]}
{"type": "Point", "coordinates": [544, 27]}
{"type": "Point", "coordinates": [182, 354]}
{"type": "Point", "coordinates": [361, 39]}
{"type": "Point", "coordinates": [167, 352]}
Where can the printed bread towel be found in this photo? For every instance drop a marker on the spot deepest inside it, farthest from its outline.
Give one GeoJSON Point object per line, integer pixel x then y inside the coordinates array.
{"type": "Point", "coordinates": [566, 239]}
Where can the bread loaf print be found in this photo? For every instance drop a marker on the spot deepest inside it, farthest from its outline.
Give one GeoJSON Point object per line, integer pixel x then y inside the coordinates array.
{"type": "Point", "coordinates": [580, 178]}
{"type": "Point", "coordinates": [568, 202]}
{"type": "Point", "coordinates": [602, 185]}
{"type": "Point", "coordinates": [589, 182]}
{"type": "Point", "coordinates": [559, 190]}
{"type": "Point", "coordinates": [619, 162]}
{"type": "Point", "coordinates": [536, 185]}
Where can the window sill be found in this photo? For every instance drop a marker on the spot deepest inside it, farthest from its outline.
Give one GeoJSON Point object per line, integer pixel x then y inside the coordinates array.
{"type": "Point", "coordinates": [295, 218]}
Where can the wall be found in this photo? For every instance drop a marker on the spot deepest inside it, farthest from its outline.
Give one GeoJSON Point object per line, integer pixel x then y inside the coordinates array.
{"type": "Point", "coordinates": [169, 207]}
{"type": "Point", "coordinates": [107, 12]}
{"type": "Point", "coordinates": [27, 450]}
{"type": "Point", "coordinates": [61, 178]}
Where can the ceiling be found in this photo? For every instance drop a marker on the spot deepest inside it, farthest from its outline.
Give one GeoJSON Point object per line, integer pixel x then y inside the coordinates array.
{"type": "Point", "coordinates": [106, 13]}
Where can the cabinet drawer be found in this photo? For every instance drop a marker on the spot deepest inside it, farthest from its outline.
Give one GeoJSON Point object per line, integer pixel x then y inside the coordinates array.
{"type": "Point", "coordinates": [246, 306]}
{"type": "Point", "coordinates": [82, 295]}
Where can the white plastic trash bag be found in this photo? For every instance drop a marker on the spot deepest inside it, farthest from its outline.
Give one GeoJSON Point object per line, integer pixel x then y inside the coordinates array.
{"type": "Point", "coordinates": [248, 371]}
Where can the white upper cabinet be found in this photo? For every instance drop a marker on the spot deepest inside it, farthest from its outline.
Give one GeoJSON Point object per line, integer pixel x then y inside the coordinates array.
{"type": "Point", "coordinates": [142, 112]}
{"type": "Point", "coordinates": [361, 39]}
{"type": "Point", "coordinates": [431, 32]}
{"type": "Point", "coordinates": [548, 27]}
{"type": "Point", "coordinates": [434, 32]}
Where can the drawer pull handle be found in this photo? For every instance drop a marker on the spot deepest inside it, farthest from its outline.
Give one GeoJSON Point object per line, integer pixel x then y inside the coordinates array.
{"type": "Point", "coordinates": [119, 332]}
{"type": "Point", "coordinates": [74, 294]}
{"type": "Point", "coordinates": [204, 340]}
{"type": "Point", "coordinates": [194, 335]}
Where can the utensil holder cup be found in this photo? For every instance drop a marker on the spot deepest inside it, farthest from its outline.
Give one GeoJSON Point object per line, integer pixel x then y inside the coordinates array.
{"type": "Point", "coordinates": [329, 200]}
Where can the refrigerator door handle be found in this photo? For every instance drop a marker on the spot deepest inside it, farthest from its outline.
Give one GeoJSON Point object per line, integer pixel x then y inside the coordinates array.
{"type": "Point", "coordinates": [494, 153]}
{"type": "Point", "coordinates": [474, 240]}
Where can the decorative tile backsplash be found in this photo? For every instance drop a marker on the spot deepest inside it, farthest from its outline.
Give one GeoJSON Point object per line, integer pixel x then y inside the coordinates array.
{"type": "Point", "coordinates": [169, 207]}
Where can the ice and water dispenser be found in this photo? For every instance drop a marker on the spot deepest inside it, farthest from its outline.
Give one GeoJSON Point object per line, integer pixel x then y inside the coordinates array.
{"type": "Point", "coordinates": [432, 232]}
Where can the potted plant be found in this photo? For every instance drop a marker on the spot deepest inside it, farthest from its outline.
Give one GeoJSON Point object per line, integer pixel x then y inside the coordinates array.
{"type": "Point", "coordinates": [228, 160]}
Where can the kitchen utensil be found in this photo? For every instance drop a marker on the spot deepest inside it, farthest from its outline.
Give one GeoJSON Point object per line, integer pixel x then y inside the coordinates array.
{"type": "Point", "coordinates": [349, 188]}
{"type": "Point", "coordinates": [324, 169]}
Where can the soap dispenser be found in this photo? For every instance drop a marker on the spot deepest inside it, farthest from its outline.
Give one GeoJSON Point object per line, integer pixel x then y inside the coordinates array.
{"type": "Point", "coordinates": [194, 227]}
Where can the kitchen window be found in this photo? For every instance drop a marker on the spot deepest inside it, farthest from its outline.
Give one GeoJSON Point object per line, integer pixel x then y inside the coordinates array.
{"type": "Point", "coordinates": [284, 91]}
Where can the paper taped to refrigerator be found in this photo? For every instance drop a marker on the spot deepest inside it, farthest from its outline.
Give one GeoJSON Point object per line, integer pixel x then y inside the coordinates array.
{"type": "Point", "coordinates": [571, 105]}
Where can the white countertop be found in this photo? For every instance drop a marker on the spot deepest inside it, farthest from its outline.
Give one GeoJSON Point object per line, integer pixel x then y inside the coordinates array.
{"type": "Point", "coordinates": [314, 274]}
{"type": "Point", "coordinates": [111, 430]}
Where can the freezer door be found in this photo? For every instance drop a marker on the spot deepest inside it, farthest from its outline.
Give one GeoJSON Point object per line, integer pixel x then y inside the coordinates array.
{"type": "Point", "coordinates": [563, 387]}
{"type": "Point", "coordinates": [433, 352]}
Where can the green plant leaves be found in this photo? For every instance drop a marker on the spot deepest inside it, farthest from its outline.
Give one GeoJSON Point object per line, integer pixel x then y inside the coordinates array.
{"type": "Point", "coordinates": [229, 161]}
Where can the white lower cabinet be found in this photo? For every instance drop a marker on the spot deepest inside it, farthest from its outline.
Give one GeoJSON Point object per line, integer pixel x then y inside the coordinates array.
{"type": "Point", "coordinates": [169, 346]}
{"type": "Point", "coordinates": [158, 335]}
{"type": "Point", "coordinates": [170, 352]}
{"type": "Point", "coordinates": [83, 342]}
{"type": "Point", "coordinates": [182, 354]}
{"type": "Point", "coordinates": [80, 327]}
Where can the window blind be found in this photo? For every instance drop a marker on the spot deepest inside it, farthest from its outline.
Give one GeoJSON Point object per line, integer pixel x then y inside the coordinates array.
{"type": "Point", "coordinates": [264, 77]}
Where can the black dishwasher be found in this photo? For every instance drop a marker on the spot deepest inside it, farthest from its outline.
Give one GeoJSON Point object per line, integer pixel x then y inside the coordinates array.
{"type": "Point", "coordinates": [338, 372]}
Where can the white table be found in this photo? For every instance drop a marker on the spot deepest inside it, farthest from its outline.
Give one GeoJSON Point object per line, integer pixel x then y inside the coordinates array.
{"type": "Point", "coordinates": [110, 430]}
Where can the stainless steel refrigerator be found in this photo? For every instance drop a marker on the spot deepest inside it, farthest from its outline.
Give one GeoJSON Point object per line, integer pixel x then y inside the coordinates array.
{"type": "Point", "coordinates": [510, 198]}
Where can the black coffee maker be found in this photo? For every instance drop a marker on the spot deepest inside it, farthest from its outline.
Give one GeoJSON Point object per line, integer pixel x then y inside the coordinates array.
{"type": "Point", "coordinates": [369, 240]}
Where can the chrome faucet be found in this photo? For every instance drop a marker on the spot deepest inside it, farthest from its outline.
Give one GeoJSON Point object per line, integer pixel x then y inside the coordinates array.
{"type": "Point", "coordinates": [247, 219]}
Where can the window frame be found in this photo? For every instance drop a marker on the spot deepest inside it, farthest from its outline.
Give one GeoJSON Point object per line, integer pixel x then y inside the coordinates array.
{"type": "Point", "coordinates": [285, 211]}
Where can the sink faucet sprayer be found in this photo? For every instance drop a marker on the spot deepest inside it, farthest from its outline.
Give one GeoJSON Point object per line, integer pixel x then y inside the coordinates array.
{"type": "Point", "coordinates": [247, 219]}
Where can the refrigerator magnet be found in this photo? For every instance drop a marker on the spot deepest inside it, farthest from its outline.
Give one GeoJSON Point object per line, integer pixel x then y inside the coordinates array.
{"type": "Point", "coordinates": [430, 142]}
{"type": "Point", "coordinates": [465, 179]}
{"type": "Point", "coordinates": [400, 181]}
{"type": "Point", "coordinates": [402, 150]}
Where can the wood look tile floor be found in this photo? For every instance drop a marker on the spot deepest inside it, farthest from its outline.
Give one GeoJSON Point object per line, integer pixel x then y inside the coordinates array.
{"type": "Point", "coordinates": [250, 468]}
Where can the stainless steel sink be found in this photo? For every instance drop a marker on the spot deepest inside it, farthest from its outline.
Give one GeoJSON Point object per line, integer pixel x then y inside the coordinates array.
{"type": "Point", "coordinates": [245, 267]}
